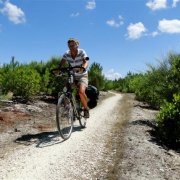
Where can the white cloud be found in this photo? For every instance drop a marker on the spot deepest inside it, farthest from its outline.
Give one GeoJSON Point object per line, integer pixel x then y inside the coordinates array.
{"type": "Point", "coordinates": [156, 4]}
{"type": "Point", "coordinates": [169, 26]}
{"type": "Point", "coordinates": [91, 5]}
{"type": "Point", "coordinates": [75, 14]}
{"type": "Point", "coordinates": [135, 31]}
{"type": "Point", "coordinates": [112, 75]}
{"type": "Point", "coordinates": [14, 13]}
{"type": "Point", "coordinates": [175, 3]}
{"type": "Point", "coordinates": [154, 34]}
{"type": "Point", "coordinates": [114, 23]}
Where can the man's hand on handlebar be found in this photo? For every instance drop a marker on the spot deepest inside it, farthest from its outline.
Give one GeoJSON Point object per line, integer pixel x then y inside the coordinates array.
{"type": "Point", "coordinates": [55, 72]}
{"type": "Point", "coordinates": [82, 70]}
{"type": "Point", "coordinates": [60, 71]}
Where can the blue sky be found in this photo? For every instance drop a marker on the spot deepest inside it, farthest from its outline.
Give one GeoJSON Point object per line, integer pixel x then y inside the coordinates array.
{"type": "Point", "coordinates": [121, 35]}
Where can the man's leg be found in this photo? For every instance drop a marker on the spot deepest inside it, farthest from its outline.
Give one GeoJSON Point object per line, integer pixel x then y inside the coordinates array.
{"type": "Point", "coordinates": [83, 98]}
{"type": "Point", "coordinates": [82, 95]}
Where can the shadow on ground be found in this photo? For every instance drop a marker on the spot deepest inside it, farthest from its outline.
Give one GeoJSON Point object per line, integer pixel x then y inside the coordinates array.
{"type": "Point", "coordinates": [150, 123]}
{"type": "Point", "coordinates": [43, 139]}
{"type": "Point", "coordinates": [154, 135]}
{"type": "Point", "coordinates": [146, 106]}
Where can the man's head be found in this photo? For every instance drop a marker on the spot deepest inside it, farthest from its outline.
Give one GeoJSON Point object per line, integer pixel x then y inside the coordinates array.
{"type": "Point", "coordinates": [73, 43]}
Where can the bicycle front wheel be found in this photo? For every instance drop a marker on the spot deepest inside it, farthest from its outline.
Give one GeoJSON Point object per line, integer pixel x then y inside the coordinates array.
{"type": "Point", "coordinates": [64, 116]}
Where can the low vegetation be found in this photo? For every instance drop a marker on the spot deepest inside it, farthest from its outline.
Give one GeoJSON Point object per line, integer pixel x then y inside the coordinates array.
{"type": "Point", "coordinates": [159, 87]}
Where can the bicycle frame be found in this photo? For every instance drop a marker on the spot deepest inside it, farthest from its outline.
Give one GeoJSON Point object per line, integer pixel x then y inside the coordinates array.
{"type": "Point", "coordinates": [69, 94]}
{"type": "Point", "coordinates": [68, 89]}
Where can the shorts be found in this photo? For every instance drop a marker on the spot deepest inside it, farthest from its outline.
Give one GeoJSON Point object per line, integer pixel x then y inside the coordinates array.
{"type": "Point", "coordinates": [83, 80]}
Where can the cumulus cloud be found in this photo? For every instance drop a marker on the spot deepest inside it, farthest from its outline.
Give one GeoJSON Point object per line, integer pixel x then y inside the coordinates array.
{"type": "Point", "coordinates": [115, 23]}
{"type": "Point", "coordinates": [75, 14]}
{"type": "Point", "coordinates": [14, 13]}
{"type": "Point", "coordinates": [91, 5]}
{"type": "Point", "coordinates": [156, 4]}
{"type": "Point", "coordinates": [169, 26]}
{"type": "Point", "coordinates": [135, 31]}
{"type": "Point", "coordinates": [112, 75]}
{"type": "Point", "coordinates": [175, 3]}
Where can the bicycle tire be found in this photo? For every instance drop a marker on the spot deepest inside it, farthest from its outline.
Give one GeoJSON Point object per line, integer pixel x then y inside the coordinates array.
{"type": "Point", "coordinates": [82, 120]}
{"type": "Point", "coordinates": [64, 116]}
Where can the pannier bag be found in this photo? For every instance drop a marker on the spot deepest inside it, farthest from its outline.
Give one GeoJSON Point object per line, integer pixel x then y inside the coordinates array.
{"type": "Point", "coordinates": [92, 94]}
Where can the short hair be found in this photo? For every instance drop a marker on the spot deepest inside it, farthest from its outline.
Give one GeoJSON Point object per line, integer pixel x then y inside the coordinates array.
{"type": "Point", "coordinates": [73, 40]}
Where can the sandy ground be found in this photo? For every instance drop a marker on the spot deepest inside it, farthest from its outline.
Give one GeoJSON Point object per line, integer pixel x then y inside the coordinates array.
{"type": "Point", "coordinates": [117, 144]}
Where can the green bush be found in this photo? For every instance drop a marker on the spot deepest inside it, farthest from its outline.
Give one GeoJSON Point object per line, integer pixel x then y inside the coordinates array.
{"type": "Point", "coordinates": [168, 121]}
{"type": "Point", "coordinates": [173, 77]}
{"type": "Point", "coordinates": [26, 82]}
{"type": "Point", "coordinates": [96, 77]}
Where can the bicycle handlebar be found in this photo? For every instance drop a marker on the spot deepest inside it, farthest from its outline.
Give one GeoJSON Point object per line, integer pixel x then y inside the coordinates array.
{"type": "Point", "coordinates": [68, 70]}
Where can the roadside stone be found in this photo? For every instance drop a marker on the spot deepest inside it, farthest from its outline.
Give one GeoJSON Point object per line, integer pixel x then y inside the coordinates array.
{"type": "Point", "coordinates": [33, 108]}
{"type": "Point", "coordinates": [6, 109]}
{"type": "Point", "coordinates": [41, 104]}
{"type": "Point", "coordinates": [20, 108]}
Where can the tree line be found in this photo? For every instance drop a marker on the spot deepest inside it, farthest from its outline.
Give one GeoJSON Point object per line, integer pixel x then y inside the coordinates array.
{"type": "Point", "coordinates": [29, 80]}
{"type": "Point", "coordinates": [159, 86]}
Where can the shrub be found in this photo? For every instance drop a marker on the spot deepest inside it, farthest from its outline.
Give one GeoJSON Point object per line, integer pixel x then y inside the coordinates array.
{"type": "Point", "coordinates": [26, 82]}
{"type": "Point", "coordinates": [168, 121]}
{"type": "Point", "coordinates": [96, 77]}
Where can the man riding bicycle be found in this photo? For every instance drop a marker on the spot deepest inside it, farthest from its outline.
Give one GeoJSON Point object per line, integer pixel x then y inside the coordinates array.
{"type": "Point", "coordinates": [78, 57]}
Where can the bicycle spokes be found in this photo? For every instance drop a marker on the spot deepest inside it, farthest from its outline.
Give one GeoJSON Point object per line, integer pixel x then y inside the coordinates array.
{"type": "Point", "coordinates": [64, 117]}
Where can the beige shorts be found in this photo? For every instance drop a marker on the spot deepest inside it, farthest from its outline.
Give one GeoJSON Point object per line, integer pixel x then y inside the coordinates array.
{"type": "Point", "coordinates": [83, 80]}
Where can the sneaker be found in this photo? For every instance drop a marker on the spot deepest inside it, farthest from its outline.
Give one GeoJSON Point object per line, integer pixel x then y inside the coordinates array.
{"type": "Point", "coordinates": [86, 113]}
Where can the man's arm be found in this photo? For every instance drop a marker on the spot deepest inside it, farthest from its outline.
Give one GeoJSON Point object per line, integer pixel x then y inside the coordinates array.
{"type": "Point", "coordinates": [85, 59]}
{"type": "Point", "coordinates": [62, 63]}
{"type": "Point", "coordinates": [85, 63]}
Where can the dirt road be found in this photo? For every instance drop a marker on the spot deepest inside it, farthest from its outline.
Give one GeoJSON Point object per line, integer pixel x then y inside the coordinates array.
{"type": "Point", "coordinates": [115, 145]}
{"type": "Point", "coordinates": [76, 158]}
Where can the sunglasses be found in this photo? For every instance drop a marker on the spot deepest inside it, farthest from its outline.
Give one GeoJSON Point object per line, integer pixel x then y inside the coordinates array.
{"type": "Point", "coordinates": [71, 46]}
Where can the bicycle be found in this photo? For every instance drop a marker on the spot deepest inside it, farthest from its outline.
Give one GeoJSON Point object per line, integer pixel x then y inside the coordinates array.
{"type": "Point", "coordinates": [69, 107]}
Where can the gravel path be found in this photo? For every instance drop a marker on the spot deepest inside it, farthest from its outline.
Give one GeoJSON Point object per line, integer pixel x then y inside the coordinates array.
{"type": "Point", "coordinates": [118, 143]}
{"type": "Point", "coordinates": [76, 158]}
{"type": "Point", "coordinates": [144, 157]}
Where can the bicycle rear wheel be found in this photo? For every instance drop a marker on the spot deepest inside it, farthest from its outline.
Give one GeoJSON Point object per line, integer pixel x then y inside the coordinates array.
{"type": "Point", "coordinates": [64, 116]}
{"type": "Point", "coordinates": [82, 120]}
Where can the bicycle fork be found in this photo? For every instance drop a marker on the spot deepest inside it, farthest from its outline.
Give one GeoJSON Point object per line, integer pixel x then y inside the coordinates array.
{"type": "Point", "coordinates": [73, 102]}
